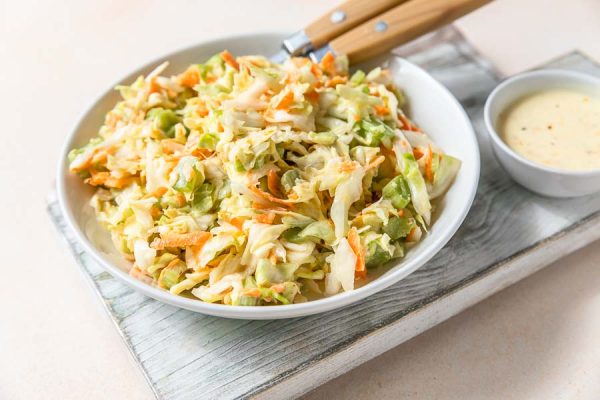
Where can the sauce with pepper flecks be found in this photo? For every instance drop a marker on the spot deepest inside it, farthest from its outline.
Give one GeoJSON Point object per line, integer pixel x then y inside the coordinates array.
{"type": "Point", "coordinates": [558, 128]}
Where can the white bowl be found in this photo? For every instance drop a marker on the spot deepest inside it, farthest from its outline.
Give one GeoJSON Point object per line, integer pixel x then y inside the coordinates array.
{"type": "Point", "coordinates": [431, 106]}
{"type": "Point", "coordinates": [538, 178]}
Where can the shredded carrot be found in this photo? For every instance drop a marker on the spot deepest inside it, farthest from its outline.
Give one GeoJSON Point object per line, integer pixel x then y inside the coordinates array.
{"type": "Point", "coordinates": [381, 110]}
{"type": "Point", "coordinates": [202, 111]}
{"type": "Point", "coordinates": [181, 200]}
{"type": "Point", "coordinates": [356, 117]}
{"type": "Point", "coordinates": [286, 101]}
{"type": "Point", "coordinates": [154, 87]}
{"type": "Point", "coordinates": [429, 164]}
{"type": "Point", "coordinates": [201, 153]}
{"type": "Point", "coordinates": [159, 192]}
{"type": "Point", "coordinates": [270, 197]}
{"type": "Point", "coordinates": [252, 292]}
{"type": "Point", "coordinates": [108, 180]}
{"type": "Point", "coordinates": [347, 166]}
{"type": "Point", "coordinates": [265, 218]}
{"type": "Point", "coordinates": [238, 222]}
{"type": "Point", "coordinates": [155, 211]}
{"type": "Point", "coordinates": [312, 96]}
{"type": "Point", "coordinates": [170, 146]}
{"type": "Point", "coordinates": [190, 78]}
{"type": "Point", "coordinates": [417, 152]}
{"type": "Point", "coordinates": [274, 183]}
{"type": "Point", "coordinates": [328, 64]}
{"type": "Point", "coordinates": [411, 234]}
{"type": "Point", "coordinates": [229, 59]}
{"type": "Point", "coordinates": [180, 239]}
{"type": "Point", "coordinates": [336, 80]}
{"type": "Point", "coordinates": [359, 251]}
{"type": "Point", "coordinates": [212, 263]}
{"type": "Point", "coordinates": [316, 71]}
{"type": "Point", "coordinates": [406, 124]}
{"type": "Point", "coordinates": [401, 213]}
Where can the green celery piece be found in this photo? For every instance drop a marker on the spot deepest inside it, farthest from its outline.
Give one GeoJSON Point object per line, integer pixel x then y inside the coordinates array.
{"type": "Point", "coordinates": [324, 138]}
{"type": "Point", "coordinates": [203, 198]}
{"type": "Point", "coordinates": [398, 227]}
{"type": "Point", "coordinates": [358, 77]}
{"type": "Point", "coordinates": [190, 174]}
{"type": "Point", "coordinates": [376, 255]}
{"type": "Point", "coordinates": [208, 141]}
{"type": "Point", "coordinates": [165, 120]}
{"type": "Point", "coordinates": [293, 235]}
{"type": "Point", "coordinates": [398, 192]}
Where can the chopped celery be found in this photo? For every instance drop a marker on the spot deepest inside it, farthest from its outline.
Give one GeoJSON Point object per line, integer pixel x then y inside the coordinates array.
{"type": "Point", "coordinates": [398, 192]}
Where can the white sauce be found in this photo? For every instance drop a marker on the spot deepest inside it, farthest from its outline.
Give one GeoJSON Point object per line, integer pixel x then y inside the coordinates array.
{"type": "Point", "coordinates": [557, 128]}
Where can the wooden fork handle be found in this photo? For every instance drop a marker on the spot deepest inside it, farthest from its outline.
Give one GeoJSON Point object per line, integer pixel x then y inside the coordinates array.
{"type": "Point", "coordinates": [400, 25]}
{"type": "Point", "coordinates": [345, 17]}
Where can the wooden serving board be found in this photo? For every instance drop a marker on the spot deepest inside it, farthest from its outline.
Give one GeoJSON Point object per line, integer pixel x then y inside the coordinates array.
{"type": "Point", "coordinates": [508, 234]}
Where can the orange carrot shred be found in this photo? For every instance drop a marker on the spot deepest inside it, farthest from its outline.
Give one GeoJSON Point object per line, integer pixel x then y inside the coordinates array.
{"type": "Point", "coordinates": [328, 64]}
{"type": "Point", "coordinates": [347, 166]}
{"type": "Point", "coordinates": [273, 183]}
{"type": "Point", "coordinates": [181, 239]}
{"type": "Point", "coordinates": [429, 164]}
{"type": "Point", "coordinates": [159, 192]}
{"type": "Point", "coordinates": [312, 96]}
{"type": "Point", "coordinates": [229, 59]}
{"type": "Point", "coordinates": [359, 251]}
{"type": "Point", "coordinates": [154, 86]}
{"type": "Point", "coordinates": [265, 218]}
{"type": "Point", "coordinates": [270, 197]}
{"type": "Point", "coordinates": [286, 101]}
{"type": "Point", "coordinates": [417, 152]}
{"type": "Point", "coordinates": [381, 110]}
{"type": "Point", "coordinates": [252, 292]}
{"type": "Point", "coordinates": [190, 78]}
{"type": "Point", "coordinates": [336, 80]}
{"type": "Point", "coordinates": [314, 68]}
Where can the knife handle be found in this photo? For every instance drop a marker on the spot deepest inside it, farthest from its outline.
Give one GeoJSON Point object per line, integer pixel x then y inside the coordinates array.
{"type": "Point", "coordinates": [399, 25]}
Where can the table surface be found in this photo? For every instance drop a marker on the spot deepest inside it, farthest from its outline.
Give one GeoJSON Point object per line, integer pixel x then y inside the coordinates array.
{"type": "Point", "coordinates": [537, 339]}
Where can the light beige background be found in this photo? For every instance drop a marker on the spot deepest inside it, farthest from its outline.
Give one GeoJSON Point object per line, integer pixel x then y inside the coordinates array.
{"type": "Point", "coordinates": [536, 340]}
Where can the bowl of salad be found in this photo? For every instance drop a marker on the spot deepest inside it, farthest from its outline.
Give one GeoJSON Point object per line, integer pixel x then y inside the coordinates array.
{"type": "Point", "coordinates": [220, 182]}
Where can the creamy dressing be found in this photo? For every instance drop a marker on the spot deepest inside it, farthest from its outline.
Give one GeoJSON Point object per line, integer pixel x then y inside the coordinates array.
{"type": "Point", "coordinates": [557, 128]}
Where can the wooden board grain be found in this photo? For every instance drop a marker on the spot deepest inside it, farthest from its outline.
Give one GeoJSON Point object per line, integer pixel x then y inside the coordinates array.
{"type": "Point", "coordinates": [509, 234]}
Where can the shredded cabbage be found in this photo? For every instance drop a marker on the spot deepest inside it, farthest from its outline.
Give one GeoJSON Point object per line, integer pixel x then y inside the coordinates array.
{"type": "Point", "coordinates": [243, 182]}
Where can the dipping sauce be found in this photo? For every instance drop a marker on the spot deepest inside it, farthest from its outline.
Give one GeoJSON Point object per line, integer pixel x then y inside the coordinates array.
{"type": "Point", "coordinates": [558, 128]}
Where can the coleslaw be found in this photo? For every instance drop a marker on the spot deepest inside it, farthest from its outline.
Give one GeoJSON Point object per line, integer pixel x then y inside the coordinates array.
{"type": "Point", "coordinates": [243, 182]}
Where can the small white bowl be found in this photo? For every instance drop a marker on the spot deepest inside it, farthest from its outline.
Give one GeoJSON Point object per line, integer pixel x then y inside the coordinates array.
{"type": "Point", "coordinates": [538, 178]}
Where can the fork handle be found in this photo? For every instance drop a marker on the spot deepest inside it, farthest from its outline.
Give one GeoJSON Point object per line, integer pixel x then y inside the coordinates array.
{"type": "Point", "coordinates": [400, 25]}
{"type": "Point", "coordinates": [344, 17]}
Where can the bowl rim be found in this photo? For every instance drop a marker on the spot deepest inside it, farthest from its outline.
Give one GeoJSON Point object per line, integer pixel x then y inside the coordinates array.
{"type": "Point", "coordinates": [265, 312]}
{"type": "Point", "coordinates": [567, 76]}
